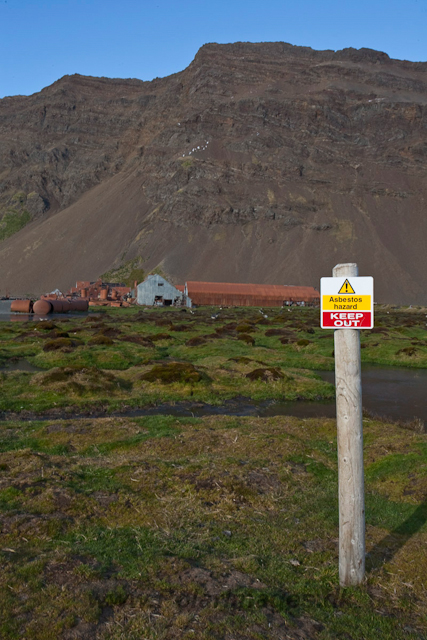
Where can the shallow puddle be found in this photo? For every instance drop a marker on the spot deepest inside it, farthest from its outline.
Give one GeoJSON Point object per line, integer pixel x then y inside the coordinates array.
{"type": "Point", "coordinates": [400, 394]}
{"type": "Point", "coordinates": [20, 365]}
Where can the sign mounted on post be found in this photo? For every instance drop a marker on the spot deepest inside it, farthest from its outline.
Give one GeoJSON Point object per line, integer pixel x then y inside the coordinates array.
{"type": "Point", "coordinates": [347, 303]}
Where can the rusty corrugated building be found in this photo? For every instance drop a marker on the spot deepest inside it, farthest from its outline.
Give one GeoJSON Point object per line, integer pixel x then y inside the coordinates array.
{"type": "Point", "coordinates": [249, 295]}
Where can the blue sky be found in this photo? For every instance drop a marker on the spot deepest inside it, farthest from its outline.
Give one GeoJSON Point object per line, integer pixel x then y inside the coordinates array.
{"type": "Point", "coordinates": [42, 40]}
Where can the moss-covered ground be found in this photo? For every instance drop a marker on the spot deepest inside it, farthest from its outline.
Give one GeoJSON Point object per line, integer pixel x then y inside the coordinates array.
{"type": "Point", "coordinates": [212, 528]}
{"type": "Point", "coordinates": [123, 358]}
{"type": "Point", "coordinates": [219, 528]}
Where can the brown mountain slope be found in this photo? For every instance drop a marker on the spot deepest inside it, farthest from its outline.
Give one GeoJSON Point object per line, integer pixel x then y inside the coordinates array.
{"type": "Point", "coordinates": [258, 163]}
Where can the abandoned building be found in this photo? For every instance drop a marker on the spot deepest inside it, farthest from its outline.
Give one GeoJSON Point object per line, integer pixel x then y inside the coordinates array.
{"type": "Point", "coordinates": [253, 295]}
{"type": "Point", "coordinates": [156, 291]}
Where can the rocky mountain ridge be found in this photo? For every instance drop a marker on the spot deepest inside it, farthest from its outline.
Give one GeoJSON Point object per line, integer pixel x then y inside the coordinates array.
{"type": "Point", "coordinates": [258, 163]}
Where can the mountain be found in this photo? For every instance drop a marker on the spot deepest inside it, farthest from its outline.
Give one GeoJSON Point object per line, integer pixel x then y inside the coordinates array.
{"type": "Point", "coordinates": [260, 162]}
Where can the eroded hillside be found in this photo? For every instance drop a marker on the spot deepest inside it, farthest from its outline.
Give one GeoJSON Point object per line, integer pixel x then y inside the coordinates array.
{"type": "Point", "coordinates": [258, 163]}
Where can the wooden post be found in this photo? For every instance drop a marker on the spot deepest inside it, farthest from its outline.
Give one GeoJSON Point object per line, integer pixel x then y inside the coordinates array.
{"type": "Point", "coordinates": [350, 448]}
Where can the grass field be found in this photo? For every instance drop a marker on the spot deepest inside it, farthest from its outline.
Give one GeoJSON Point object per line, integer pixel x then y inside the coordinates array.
{"type": "Point", "coordinates": [205, 528]}
{"type": "Point", "coordinates": [214, 528]}
{"type": "Point", "coordinates": [127, 358]}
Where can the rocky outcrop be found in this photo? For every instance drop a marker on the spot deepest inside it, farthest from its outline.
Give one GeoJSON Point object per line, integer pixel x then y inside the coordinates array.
{"type": "Point", "coordinates": [259, 162]}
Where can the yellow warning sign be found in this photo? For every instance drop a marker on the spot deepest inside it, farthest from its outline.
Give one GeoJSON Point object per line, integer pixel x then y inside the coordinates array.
{"type": "Point", "coordinates": [349, 303]}
{"type": "Point", "coordinates": [346, 288]}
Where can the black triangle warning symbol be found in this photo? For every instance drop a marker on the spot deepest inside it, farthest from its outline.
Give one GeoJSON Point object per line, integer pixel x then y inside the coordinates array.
{"type": "Point", "coordinates": [346, 288]}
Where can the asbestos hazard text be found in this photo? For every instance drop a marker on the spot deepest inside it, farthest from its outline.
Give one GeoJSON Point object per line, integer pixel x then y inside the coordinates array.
{"type": "Point", "coordinates": [347, 303]}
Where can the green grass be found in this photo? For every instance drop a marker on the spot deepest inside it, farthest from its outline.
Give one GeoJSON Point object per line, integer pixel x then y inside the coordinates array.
{"type": "Point", "coordinates": [222, 527]}
{"type": "Point", "coordinates": [115, 376]}
{"type": "Point", "coordinates": [127, 273]}
{"type": "Point", "coordinates": [12, 222]}
{"type": "Point", "coordinates": [205, 528]}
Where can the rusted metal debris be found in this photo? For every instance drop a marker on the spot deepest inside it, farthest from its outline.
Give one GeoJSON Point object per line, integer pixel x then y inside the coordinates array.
{"type": "Point", "coordinates": [102, 293]}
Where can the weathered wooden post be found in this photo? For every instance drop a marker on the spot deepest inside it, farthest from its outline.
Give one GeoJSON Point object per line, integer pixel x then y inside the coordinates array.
{"type": "Point", "coordinates": [348, 383]}
{"type": "Point", "coordinates": [347, 306]}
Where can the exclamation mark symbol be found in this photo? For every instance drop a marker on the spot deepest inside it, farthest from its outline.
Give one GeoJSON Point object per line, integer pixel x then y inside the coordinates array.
{"type": "Point", "coordinates": [346, 288]}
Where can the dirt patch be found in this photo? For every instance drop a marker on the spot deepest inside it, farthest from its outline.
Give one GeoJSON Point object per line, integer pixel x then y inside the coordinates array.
{"type": "Point", "coordinates": [229, 328]}
{"type": "Point", "coordinates": [160, 336]}
{"type": "Point", "coordinates": [213, 586]}
{"type": "Point", "coordinates": [266, 375]}
{"type": "Point", "coordinates": [61, 344]}
{"type": "Point", "coordinates": [80, 380]}
{"type": "Point", "coordinates": [407, 351]}
{"type": "Point", "coordinates": [100, 339]}
{"type": "Point", "coordinates": [56, 334]}
{"type": "Point", "coordinates": [278, 332]}
{"type": "Point", "coordinates": [110, 332]}
{"type": "Point", "coordinates": [173, 372]}
{"type": "Point", "coordinates": [180, 327]}
{"type": "Point", "coordinates": [141, 340]}
{"type": "Point", "coordinates": [162, 322]}
{"type": "Point", "coordinates": [263, 482]}
{"type": "Point", "coordinates": [245, 328]}
{"type": "Point", "coordinates": [45, 325]}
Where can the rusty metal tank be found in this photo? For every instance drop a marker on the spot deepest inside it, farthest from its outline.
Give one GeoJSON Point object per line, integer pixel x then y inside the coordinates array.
{"type": "Point", "coordinates": [114, 295]}
{"type": "Point", "coordinates": [42, 307]}
{"type": "Point", "coordinates": [79, 305]}
{"type": "Point", "coordinates": [83, 293]}
{"type": "Point", "coordinates": [103, 294]}
{"type": "Point", "coordinates": [60, 306]}
{"type": "Point", "coordinates": [21, 306]}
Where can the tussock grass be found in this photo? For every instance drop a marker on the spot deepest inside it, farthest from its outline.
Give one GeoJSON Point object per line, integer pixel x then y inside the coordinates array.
{"type": "Point", "coordinates": [131, 343]}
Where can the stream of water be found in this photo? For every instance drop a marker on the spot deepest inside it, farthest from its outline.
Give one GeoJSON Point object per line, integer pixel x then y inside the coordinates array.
{"type": "Point", "coordinates": [390, 392]}
{"type": "Point", "coordinates": [399, 394]}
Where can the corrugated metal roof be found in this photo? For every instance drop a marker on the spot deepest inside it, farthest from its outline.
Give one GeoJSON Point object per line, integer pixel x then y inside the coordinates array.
{"type": "Point", "coordinates": [273, 291]}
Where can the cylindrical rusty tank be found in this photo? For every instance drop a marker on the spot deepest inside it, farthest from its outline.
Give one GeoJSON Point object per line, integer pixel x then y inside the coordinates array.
{"type": "Point", "coordinates": [21, 306]}
{"type": "Point", "coordinates": [60, 306]}
{"type": "Point", "coordinates": [42, 307]}
{"type": "Point", "coordinates": [79, 305]}
{"type": "Point", "coordinates": [103, 294]}
{"type": "Point", "coordinates": [114, 295]}
{"type": "Point", "coordinates": [83, 293]}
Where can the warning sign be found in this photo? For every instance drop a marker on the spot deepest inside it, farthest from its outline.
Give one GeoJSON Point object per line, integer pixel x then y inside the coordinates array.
{"type": "Point", "coordinates": [347, 303]}
{"type": "Point", "coordinates": [346, 287]}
